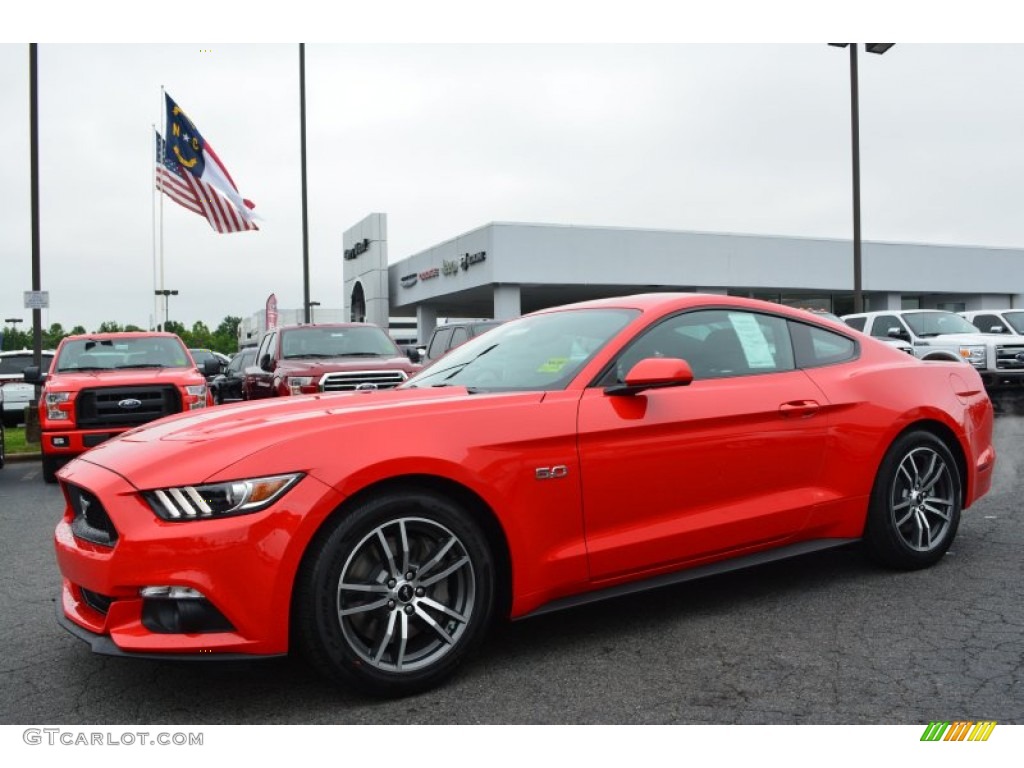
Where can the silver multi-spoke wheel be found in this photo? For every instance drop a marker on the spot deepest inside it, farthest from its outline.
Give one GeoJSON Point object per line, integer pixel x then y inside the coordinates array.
{"type": "Point", "coordinates": [923, 499]}
{"type": "Point", "coordinates": [396, 590]}
{"type": "Point", "coordinates": [406, 594]}
{"type": "Point", "coordinates": [915, 504]}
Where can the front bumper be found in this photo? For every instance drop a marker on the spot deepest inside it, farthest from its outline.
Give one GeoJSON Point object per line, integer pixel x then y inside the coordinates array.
{"type": "Point", "coordinates": [244, 566]}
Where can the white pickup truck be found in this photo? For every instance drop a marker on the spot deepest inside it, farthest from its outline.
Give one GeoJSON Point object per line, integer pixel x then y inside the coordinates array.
{"type": "Point", "coordinates": [939, 335]}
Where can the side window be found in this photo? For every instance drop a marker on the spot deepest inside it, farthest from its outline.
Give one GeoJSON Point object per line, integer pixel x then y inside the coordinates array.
{"type": "Point", "coordinates": [815, 346]}
{"type": "Point", "coordinates": [439, 344]}
{"type": "Point", "coordinates": [857, 323]}
{"type": "Point", "coordinates": [264, 347]}
{"type": "Point", "coordinates": [716, 344]}
{"type": "Point", "coordinates": [990, 324]}
{"type": "Point", "coordinates": [880, 328]}
{"type": "Point", "coordinates": [459, 335]}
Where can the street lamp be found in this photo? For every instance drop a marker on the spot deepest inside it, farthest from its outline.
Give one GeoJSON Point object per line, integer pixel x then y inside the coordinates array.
{"type": "Point", "coordinates": [879, 48]}
{"type": "Point", "coordinates": [312, 304]}
{"type": "Point", "coordinates": [14, 326]}
{"type": "Point", "coordinates": [167, 304]}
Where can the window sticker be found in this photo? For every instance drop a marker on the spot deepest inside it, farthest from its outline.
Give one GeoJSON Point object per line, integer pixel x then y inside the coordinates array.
{"type": "Point", "coordinates": [755, 345]}
{"type": "Point", "coordinates": [553, 365]}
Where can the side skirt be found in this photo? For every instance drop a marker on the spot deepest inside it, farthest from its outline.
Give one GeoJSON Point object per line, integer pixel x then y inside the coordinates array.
{"type": "Point", "coordinates": [689, 574]}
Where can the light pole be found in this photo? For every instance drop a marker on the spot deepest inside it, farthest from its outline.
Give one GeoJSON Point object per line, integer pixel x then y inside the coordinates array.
{"type": "Point", "coordinates": [311, 304]}
{"type": "Point", "coordinates": [14, 327]}
{"type": "Point", "coordinates": [879, 48]}
{"type": "Point", "coordinates": [166, 293]}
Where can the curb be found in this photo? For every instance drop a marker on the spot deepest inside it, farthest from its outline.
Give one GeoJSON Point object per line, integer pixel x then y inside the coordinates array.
{"type": "Point", "coordinates": [15, 458]}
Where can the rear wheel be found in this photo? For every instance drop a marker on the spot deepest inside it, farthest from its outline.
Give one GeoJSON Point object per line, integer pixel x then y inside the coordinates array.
{"type": "Point", "coordinates": [915, 503]}
{"type": "Point", "coordinates": [394, 595]}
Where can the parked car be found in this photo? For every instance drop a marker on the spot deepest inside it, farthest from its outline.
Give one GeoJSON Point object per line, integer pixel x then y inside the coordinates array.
{"type": "Point", "coordinates": [226, 387]}
{"type": "Point", "coordinates": [102, 384]}
{"type": "Point", "coordinates": [574, 454]}
{"type": "Point", "coordinates": [939, 335]}
{"type": "Point", "coordinates": [202, 355]}
{"type": "Point", "coordinates": [1001, 321]}
{"type": "Point", "coordinates": [336, 357]}
{"type": "Point", "coordinates": [16, 393]}
{"type": "Point", "coordinates": [447, 337]}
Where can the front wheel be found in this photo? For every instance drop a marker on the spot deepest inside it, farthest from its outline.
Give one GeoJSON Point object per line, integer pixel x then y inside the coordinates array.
{"type": "Point", "coordinates": [50, 466]}
{"type": "Point", "coordinates": [915, 504]}
{"type": "Point", "coordinates": [396, 593]}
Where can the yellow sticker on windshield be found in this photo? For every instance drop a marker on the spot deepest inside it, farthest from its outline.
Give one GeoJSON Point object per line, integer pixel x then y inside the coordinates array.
{"type": "Point", "coordinates": [553, 365]}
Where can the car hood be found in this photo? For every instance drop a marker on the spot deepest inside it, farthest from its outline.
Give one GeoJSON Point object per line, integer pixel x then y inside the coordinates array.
{"type": "Point", "coordinates": [320, 365]}
{"type": "Point", "coordinates": [203, 444]}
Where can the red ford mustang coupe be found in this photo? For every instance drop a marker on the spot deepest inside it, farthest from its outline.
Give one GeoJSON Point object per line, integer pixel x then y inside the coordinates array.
{"type": "Point", "coordinates": [573, 454]}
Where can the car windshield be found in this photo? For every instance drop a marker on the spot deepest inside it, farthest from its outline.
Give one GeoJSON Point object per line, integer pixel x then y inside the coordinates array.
{"type": "Point", "coordinates": [122, 353]}
{"type": "Point", "coordinates": [937, 323]}
{"type": "Point", "coordinates": [538, 352]}
{"type": "Point", "coordinates": [354, 341]}
{"type": "Point", "coordinates": [1016, 321]}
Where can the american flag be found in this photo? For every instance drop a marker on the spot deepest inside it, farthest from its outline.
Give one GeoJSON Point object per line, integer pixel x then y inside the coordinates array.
{"type": "Point", "coordinates": [196, 195]}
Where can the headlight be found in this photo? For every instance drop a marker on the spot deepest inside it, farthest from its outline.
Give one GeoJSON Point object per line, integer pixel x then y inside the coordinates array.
{"type": "Point", "coordinates": [195, 396]}
{"type": "Point", "coordinates": [54, 403]}
{"type": "Point", "coordinates": [975, 355]}
{"type": "Point", "coordinates": [236, 497]}
{"type": "Point", "coordinates": [299, 385]}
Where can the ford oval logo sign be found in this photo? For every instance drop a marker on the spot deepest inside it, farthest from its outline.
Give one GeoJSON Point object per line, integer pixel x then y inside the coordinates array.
{"type": "Point", "coordinates": [366, 385]}
{"type": "Point", "coordinates": [129, 403]}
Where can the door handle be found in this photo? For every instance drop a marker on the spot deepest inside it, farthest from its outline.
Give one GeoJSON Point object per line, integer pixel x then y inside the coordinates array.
{"type": "Point", "coordinates": [799, 409]}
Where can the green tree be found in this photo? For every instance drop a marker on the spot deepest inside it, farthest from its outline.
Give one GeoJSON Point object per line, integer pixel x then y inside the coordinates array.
{"type": "Point", "coordinates": [173, 326]}
{"type": "Point", "coordinates": [78, 330]}
{"type": "Point", "coordinates": [200, 336]}
{"type": "Point", "coordinates": [109, 326]}
{"type": "Point", "coordinates": [52, 337]}
{"type": "Point", "coordinates": [131, 327]}
{"type": "Point", "coordinates": [225, 338]}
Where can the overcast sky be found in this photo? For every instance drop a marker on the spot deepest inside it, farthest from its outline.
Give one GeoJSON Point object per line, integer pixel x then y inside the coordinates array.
{"type": "Point", "coordinates": [447, 137]}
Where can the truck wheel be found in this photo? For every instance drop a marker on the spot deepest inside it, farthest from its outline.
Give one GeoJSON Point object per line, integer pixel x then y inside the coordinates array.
{"type": "Point", "coordinates": [50, 466]}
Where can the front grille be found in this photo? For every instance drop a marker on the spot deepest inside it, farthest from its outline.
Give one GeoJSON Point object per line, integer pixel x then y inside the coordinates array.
{"type": "Point", "coordinates": [90, 522]}
{"type": "Point", "coordinates": [96, 601]}
{"type": "Point", "coordinates": [350, 380]}
{"type": "Point", "coordinates": [106, 407]}
{"type": "Point", "coordinates": [1010, 358]}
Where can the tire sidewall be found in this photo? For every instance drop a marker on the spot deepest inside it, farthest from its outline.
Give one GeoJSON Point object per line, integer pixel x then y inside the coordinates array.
{"type": "Point", "coordinates": [321, 629]}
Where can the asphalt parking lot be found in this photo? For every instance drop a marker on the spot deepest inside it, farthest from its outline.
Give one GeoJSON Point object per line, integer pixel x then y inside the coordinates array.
{"type": "Point", "coordinates": [828, 638]}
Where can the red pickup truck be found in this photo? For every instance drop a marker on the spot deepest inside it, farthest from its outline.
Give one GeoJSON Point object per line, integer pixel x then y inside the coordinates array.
{"type": "Point", "coordinates": [338, 357]}
{"type": "Point", "coordinates": [102, 384]}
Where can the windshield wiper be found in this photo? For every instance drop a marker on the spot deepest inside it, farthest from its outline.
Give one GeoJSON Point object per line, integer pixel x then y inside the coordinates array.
{"type": "Point", "coordinates": [360, 354]}
{"type": "Point", "coordinates": [461, 366]}
{"type": "Point", "coordinates": [142, 365]}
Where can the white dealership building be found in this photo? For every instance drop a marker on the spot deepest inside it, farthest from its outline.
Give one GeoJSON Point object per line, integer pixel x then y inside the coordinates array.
{"type": "Point", "coordinates": [505, 269]}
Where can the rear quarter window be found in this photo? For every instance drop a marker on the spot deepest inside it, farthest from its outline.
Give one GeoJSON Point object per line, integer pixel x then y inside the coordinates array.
{"type": "Point", "coordinates": [814, 347]}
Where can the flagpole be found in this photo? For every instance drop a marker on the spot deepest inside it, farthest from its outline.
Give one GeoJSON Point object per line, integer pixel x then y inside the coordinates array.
{"type": "Point", "coordinates": [163, 102]}
{"type": "Point", "coordinates": [155, 191]}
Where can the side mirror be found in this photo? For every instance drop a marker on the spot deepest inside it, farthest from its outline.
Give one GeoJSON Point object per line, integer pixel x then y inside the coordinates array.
{"type": "Point", "coordinates": [895, 333]}
{"type": "Point", "coordinates": [211, 367]}
{"type": "Point", "coordinates": [996, 329]}
{"type": "Point", "coordinates": [413, 354]}
{"type": "Point", "coordinates": [265, 363]}
{"type": "Point", "coordinates": [33, 375]}
{"type": "Point", "coordinates": [653, 373]}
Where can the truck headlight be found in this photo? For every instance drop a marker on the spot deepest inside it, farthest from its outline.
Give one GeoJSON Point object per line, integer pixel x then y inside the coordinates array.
{"type": "Point", "coordinates": [300, 385]}
{"type": "Point", "coordinates": [975, 355]}
{"type": "Point", "coordinates": [58, 405]}
{"type": "Point", "coordinates": [195, 396]}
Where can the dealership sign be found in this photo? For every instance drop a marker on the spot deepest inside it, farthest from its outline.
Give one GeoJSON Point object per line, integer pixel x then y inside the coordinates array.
{"type": "Point", "coordinates": [469, 259]}
{"type": "Point", "coordinates": [361, 247]}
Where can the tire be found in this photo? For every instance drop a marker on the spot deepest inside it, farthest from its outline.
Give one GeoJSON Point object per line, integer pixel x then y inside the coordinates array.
{"type": "Point", "coordinates": [393, 620]}
{"type": "Point", "coordinates": [915, 503]}
{"type": "Point", "coordinates": [50, 466]}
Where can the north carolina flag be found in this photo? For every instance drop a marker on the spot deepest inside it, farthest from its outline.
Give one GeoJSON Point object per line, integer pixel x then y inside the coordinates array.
{"type": "Point", "coordinates": [186, 148]}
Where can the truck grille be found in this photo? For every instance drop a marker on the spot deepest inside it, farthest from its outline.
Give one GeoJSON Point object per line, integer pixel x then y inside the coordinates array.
{"type": "Point", "coordinates": [106, 407]}
{"type": "Point", "coordinates": [349, 380]}
{"type": "Point", "coordinates": [1010, 358]}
